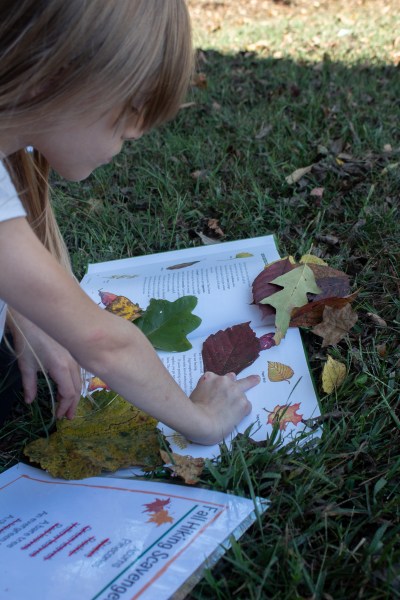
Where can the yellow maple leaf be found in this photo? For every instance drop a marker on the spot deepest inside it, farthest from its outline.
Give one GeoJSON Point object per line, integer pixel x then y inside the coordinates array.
{"type": "Point", "coordinates": [333, 375]}
{"type": "Point", "coordinates": [125, 308]}
{"type": "Point", "coordinates": [284, 414]}
{"type": "Point", "coordinates": [279, 372]}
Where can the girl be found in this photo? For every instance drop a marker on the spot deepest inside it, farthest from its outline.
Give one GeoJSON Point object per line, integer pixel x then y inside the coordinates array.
{"type": "Point", "coordinates": [77, 80]}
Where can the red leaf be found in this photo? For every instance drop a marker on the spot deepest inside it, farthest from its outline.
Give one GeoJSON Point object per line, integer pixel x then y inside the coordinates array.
{"type": "Point", "coordinates": [262, 288]}
{"type": "Point", "coordinates": [107, 297]}
{"type": "Point", "coordinates": [231, 350]}
{"type": "Point", "coordinates": [157, 505]}
{"type": "Point", "coordinates": [267, 341]}
{"type": "Point", "coordinates": [311, 314]}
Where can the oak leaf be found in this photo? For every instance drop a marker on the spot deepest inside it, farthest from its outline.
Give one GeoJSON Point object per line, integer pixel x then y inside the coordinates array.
{"type": "Point", "coordinates": [166, 324]}
{"type": "Point", "coordinates": [333, 375]}
{"type": "Point", "coordinates": [107, 433]}
{"type": "Point", "coordinates": [296, 284]}
{"type": "Point", "coordinates": [230, 350]}
{"type": "Point", "coordinates": [187, 467]}
{"type": "Point", "coordinates": [262, 286]}
{"type": "Point", "coordinates": [284, 414]}
{"type": "Point", "coordinates": [336, 323]}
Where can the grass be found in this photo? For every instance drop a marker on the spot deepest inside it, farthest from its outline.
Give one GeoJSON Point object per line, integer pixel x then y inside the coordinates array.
{"type": "Point", "coordinates": [293, 88]}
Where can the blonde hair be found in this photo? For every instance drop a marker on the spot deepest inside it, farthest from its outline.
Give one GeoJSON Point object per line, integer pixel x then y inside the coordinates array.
{"type": "Point", "coordinates": [85, 54]}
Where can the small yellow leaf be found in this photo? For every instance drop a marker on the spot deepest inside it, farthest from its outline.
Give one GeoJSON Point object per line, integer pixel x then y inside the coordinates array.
{"type": "Point", "coordinates": [279, 372]}
{"type": "Point", "coordinates": [333, 375]}
{"type": "Point", "coordinates": [180, 440]}
{"type": "Point", "coordinates": [314, 260]}
{"type": "Point", "coordinates": [125, 308]}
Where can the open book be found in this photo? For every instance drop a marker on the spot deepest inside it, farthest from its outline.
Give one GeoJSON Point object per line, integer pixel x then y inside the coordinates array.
{"type": "Point", "coordinates": [220, 276]}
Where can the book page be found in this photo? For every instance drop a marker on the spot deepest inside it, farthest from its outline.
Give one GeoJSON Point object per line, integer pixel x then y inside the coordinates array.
{"type": "Point", "coordinates": [220, 276]}
{"type": "Point", "coordinates": [293, 399]}
{"type": "Point", "coordinates": [143, 540]}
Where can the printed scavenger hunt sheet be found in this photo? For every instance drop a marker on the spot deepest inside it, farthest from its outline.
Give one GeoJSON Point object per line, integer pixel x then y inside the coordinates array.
{"type": "Point", "coordinates": [109, 539]}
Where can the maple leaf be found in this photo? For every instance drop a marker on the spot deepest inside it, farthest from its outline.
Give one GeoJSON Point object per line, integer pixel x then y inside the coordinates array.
{"type": "Point", "coordinates": [336, 323]}
{"type": "Point", "coordinates": [187, 467]}
{"type": "Point", "coordinates": [296, 284]}
{"type": "Point", "coordinates": [284, 414]}
{"type": "Point", "coordinates": [107, 433]}
{"type": "Point", "coordinates": [160, 518]}
{"type": "Point", "coordinates": [95, 383]}
{"type": "Point", "coordinates": [230, 350]}
{"type": "Point", "coordinates": [157, 505]}
{"type": "Point", "coordinates": [125, 308]}
{"type": "Point", "coordinates": [333, 375]}
{"type": "Point", "coordinates": [166, 323]}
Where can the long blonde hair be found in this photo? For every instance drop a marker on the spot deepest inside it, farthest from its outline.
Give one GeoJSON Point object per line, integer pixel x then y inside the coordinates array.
{"type": "Point", "coordinates": [81, 54]}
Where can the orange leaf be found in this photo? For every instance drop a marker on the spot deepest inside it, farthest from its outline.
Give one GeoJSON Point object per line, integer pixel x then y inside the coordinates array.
{"type": "Point", "coordinates": [284, 414]}
{"type": "Point", "coordinates": [96, 383]}
{"type": "Point", "coordinates": [160, 517]}
{"type": "Point", "coordinates": [187, 467]}
{"type": "Point", "coordinates": [125, 308]}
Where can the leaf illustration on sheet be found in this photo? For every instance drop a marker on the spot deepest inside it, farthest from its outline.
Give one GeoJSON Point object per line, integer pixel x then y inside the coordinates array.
{"type": "Point", "coordinates": [182, 265]}
{"type": "Point", "coordinates": [230, 350]}
{"type": "Point", "coordinates": [156, 505]}
{"type": "Point", "coordinates": [180, 440]}
{"type": "Point", "coordinates": [244, 255]}
{"type": "Point", "coordinates": [166, 324]}
{"type": "Point", "coordinates": [284, 414]}
{"type": "Point", "coordinates": [123, 307]}
{"type": "Point", "coordinates": [160, 518]}
{"type": "Point", "coordinates": [296, 284]}
{"type": "Point", "coordinates": [279, 372]}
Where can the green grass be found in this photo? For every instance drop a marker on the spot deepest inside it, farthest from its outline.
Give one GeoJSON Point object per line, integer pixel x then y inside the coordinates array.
{"type": "Point", "coordinates": [332, 529]}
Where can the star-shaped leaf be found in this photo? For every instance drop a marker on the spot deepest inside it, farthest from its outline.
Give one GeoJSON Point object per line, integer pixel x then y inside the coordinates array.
{"type": "Point", "coordinates": [157, 505]}
{"type": "Point", "coordinates": [296, 284]}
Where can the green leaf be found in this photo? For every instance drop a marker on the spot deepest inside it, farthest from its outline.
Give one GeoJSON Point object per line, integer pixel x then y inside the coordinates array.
{"type": "Point", "coordinates": [296, 284]}
{"type": "Point", "coordinates": [166, 324]}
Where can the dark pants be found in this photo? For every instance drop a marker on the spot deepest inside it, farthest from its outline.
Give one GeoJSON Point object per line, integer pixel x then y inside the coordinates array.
{"type": "Point", "coordinates": [10, 381]}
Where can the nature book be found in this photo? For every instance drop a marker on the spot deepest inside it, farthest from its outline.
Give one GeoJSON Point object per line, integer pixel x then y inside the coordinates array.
{"type": "Point", "coordinates": [110, 539]}
{"type": "Point", "coordinates": [220, 276]}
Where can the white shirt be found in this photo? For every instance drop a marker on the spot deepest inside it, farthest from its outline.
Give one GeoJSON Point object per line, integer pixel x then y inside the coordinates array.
{"type": "Point", "coordinates": [10, 207]}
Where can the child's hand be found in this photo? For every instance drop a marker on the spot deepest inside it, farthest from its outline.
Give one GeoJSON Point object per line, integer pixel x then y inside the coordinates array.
{"type": "Point", "coordinates": [33, 345]}
{"type": "Point", "coordinates": [223, 403]}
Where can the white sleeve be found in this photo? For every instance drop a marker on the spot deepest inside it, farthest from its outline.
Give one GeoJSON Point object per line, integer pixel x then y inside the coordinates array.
{"type": "Point", "coordinates": [10, 204]}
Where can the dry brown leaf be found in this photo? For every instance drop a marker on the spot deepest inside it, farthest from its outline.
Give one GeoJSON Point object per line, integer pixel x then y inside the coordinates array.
{"type": "Point", "coordinates": [298, 174]}
{"type": "Point", "coordinates": [377, 320]}
{"type": "Point", "coordinates": [336, 323]}
{"type": "Point", "coordinates": [187, 467]}
{"type": "Point", "coordinates": [200, 81]}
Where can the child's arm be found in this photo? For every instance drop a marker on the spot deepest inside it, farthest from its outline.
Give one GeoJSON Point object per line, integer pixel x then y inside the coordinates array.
{"type": "Point", "coordinates": [33, 283]}
{"type": "Point", "coordinates": [36, 351]}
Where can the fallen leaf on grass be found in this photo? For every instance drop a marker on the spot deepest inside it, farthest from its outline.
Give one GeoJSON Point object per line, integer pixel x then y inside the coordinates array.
{"type": "Point", "coordinates": [230, 350]}
{"type": "Point", "coordinates": [199, 80]}
{"type": "Point", "coordinates": [296, 284]}
{"type": "Point", "coordinates": [187, 467]}
{"type": "Point", "coordinates": [284, 414]}
{"type": "Point", "coordinates": [298, 174]}
{"type": "Point", "coordinates": [312, 313]}
{"type": "Point", "coordinates": [333, 375]}
{"type": "Point", "coordinates": [377, 320]}
{"type": "Point", "coordinates": [308, 259]}
{"type": "Point", "coordinates": [336, 323]}
{"type": "Point", "coordinates": [107, 433]}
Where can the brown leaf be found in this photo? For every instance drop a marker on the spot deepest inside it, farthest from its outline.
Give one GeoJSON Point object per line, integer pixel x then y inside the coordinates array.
{"type": "Point", "coordinates": [336, 323]}
{"type": "Point", "coordinates": [377, 320]}
{"type": "Point", "coordinates": [333, 283]}
{"type": "Point", "coordinates": [231, 350]}
{"type": "Point", "coordinates": [331, 240]}
{"type": "Point", "coordinates": [200, 81]}
{"type": "Point", "coordinates": [187, 467]}
{"type": "Point", "coordinates": [311, 314]}
{"type": "Point", "coordinates": [298, 174]}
